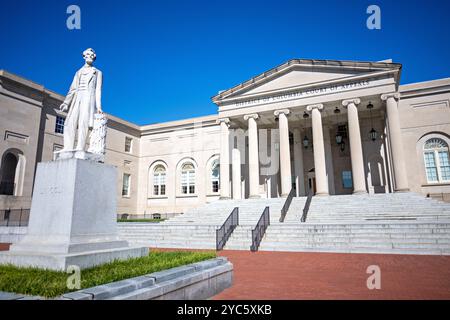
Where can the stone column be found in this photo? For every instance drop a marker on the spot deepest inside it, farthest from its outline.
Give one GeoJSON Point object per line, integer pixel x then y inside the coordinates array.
{"type": "Point", "coordinates": [224, 158]}
{"type": "Point", "coordinates": [285, 153]}
{"type": "Point", "coordinates": [356, 154]}
{"type": "Point", "coordinates": [319, 150]}
{"type": "Point", "coordinates": [253, 156]}
{"type": "Point", "coordinates": [328, 159]}
{"type": "Point", "coordinates": [298, 162]}
{"type": "Point", "coordinates": [395, 136]}
{"type": "Point", "coordinates": [236, 173]}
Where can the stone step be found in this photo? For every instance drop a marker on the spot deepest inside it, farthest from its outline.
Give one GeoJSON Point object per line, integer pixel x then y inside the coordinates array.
{"type": "Point", "coordinates": [421, 251]}
{"type": "Point", "coordinates": [343, 245]}
{"type": "Point", "coordinates": [382, 223]}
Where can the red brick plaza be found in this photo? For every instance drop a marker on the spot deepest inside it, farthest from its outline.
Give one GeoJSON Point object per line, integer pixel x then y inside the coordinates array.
{"type": "Point", "coordinates": [297, 275]}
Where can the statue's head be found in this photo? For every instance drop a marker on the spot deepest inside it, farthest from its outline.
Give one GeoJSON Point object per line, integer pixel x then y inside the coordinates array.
{"type": "Point", "coordinates": [89, 56]}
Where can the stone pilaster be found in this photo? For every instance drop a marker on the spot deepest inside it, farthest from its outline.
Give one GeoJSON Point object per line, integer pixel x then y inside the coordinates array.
{"type": "Point", "coordinates": [395, 137]}
{"type": "Point", "coordinates": [224, 158]}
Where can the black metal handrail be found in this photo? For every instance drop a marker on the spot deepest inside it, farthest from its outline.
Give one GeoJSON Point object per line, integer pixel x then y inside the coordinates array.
{"type": "Point", "coordinates": [225, 231]}
{"type": "Point", "coordinates": [307, 204]}
{"type": "Point", "coordinates": [260, 229]}
{"type": "Point", "coordinates": [287, 204]}
{"type": "Point", "coordinates": [14, 217]}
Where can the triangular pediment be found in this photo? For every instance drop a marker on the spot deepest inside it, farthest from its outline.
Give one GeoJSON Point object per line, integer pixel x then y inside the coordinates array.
{"type": "Point", "coordinates": [299, 72]}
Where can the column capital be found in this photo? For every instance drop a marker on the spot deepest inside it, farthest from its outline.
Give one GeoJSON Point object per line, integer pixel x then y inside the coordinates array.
{"type": "Point", "coordinates": [317, 106]}
{"type": "Point", "coordinates": [224, 120]}
{"type": "Point", "coordinates": [253, 116]}
{"type": "Point", "coordinates": [355, 101]}
{"type": "Point", "coordinates": [282, 111]}
{"type": "Point", "coordinates": [394, 95]}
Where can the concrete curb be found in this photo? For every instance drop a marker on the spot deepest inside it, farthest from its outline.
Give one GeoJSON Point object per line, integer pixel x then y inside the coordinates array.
{"type": "Point", "coordinates": [200, 280]}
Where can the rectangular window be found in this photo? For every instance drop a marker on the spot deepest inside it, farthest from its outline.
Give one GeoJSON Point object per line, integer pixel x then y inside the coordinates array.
{"type": "Point", "coordinates": [215, 186]}
{"type": "Point", "coordinates": [126, 185]}
{"type": "Point", "coordinates": [445, 165]}
{"type": "Point", "coordinates": [59, 127]}
{"type": "Point", "coordinates": [430, 166]}
{"type": "Point", "coordinates": [188, 182]}
{"type": "Point", "coordinates": [128, 144]}
{"type": "Point", "coordinates": [347, 181]}
{"type": "Point", "coordinates": [159, 184]}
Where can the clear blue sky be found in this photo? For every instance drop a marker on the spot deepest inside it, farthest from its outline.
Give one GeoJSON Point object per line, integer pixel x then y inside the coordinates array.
{"type": "Point", "coordinates": [163, 60]}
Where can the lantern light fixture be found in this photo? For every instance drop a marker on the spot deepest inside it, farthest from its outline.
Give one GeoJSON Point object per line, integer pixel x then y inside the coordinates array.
{"type": "Point", "coordinates": [373, 134]}
{"type": "Point", "coordinates": [305, 142]}
{"type": "Point", "coordinates": [339, 138]}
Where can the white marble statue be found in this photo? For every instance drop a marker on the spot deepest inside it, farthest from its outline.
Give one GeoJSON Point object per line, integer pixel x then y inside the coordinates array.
{"type": "Point", "coordinates": [82, 101]}
{"type": "Point", "coordinates": [97, 140]}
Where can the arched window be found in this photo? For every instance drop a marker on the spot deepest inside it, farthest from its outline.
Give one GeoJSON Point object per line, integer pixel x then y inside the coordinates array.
{"type": "Point", "coordinates": [8, 174]}
{"type": "Point", "coordinates": [159, 180]}
{"type": "Point", "coordinates": [188, 178]}
{"type": "Point", "coordinates": [436, 156]}
{"type": "Point", "coordinates": [215, 173]}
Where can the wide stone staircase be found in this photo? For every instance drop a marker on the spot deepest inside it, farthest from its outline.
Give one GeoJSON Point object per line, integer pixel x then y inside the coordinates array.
{"type": "Point", "coordinates": [381, 223]}
{"type": "Point", "coordinates": [401, 238]}
{"type": "Point", "coordinates": [394, 207]}
{"type": "Point", "coordinates": [197, 227]}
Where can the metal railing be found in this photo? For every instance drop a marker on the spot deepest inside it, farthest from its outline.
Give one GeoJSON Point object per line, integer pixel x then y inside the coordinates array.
{"type": "Point", "coordinates": [307, 204]}
{"type": "Point", "coordinates": [260, 229]}
{"type": "Point", "coordinates": [7, 188]}
{"type": "Point", "coordinates": [287, 204]}
{"type": "Point", "coordinates": [14, 217]}
{"type": "Point", "coordinates": [225, 231]}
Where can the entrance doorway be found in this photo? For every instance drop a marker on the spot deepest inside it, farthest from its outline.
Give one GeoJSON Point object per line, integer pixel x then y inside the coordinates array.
{"type": "Point", "coordinates": [12, 167]}
{"type": "Point", "coordinates": [312, 180]}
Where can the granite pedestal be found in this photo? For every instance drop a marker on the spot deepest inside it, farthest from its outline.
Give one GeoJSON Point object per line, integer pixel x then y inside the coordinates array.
{"type": "Point", "coordinates": [72, 218]}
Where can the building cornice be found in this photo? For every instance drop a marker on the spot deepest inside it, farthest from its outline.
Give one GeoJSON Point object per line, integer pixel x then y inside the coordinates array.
{"type": "Point", "coordinates": [317, 64]}
{"type": "Point", "coordinates": [424, 88]}
{"type": "Point", "coordinates": [192, 123]}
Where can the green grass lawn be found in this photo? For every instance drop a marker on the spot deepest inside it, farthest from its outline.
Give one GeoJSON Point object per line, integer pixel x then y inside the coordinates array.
{"type": "Point", "coordinates": [46, 283]}
{"type": "Point", "coordinates": [140, 220]}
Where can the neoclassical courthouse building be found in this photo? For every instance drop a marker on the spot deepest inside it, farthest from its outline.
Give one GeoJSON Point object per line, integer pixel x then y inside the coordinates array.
{"type": "Point", "coordinates": [333, 127]}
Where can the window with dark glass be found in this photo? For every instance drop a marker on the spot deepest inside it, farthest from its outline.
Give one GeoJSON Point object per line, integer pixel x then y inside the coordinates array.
{"type": "Point", "coordinates": [215, 172]}
{"type": "Point", "coordinates": [59, 127]}
{"type": "Point", "coordinates": [128, 144]}
{"type": "Point", "coordinates": [126, 185]}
